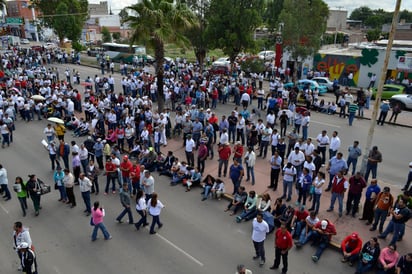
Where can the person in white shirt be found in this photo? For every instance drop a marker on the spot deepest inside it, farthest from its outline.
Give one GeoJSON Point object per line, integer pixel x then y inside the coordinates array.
{"type": "Point", "coordinates": [190, 145]}
{"type": "Point", "coordinates": [245, 99]}
{"type": "Point", "coordinates": [250, 160]}
{"type": "Point", "coordinates": [323, 141]}
{"type": "Point", "coordinates": [49, 132]}
{"type": "Point", "coordinates": [308, 147]}
{"type": "Point", "coordinates": [274, 140]}
{"type": "Point", "coordinates": [297, 158]}
{"type": "Point", "coordinates": [155, 207]}
{"type": "Point", "coordinates": [85, 187]}
{"type": "Point", "coordinates": [288, 172]}
{"type": "Point", "coordinates": [141, 209]}
{"type": "Point", "coordinates": [260, 229]}
{"type": "Point", "coordinates": [334, 145]}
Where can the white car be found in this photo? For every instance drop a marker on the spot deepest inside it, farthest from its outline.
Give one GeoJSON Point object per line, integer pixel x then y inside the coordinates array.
{"type": "Point", "coordinates": [24, 41]}
{"type": "Point", "coordinates": [405, 100]}
{"type": "Point", "coordinates": [267, 55]}
{"type": "Point", "coordinates": [324, 81]}
{"type": "Point", "coordinates": [224, 61]}
{"type": "Point", "coordinates": [50, 46]}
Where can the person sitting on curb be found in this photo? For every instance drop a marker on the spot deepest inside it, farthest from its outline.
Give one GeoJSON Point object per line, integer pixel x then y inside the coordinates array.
{"type": "Point", "coordinates": [323, 232]}
{"type": "Point", "coordinates": [404, 264]}
{"type": "Point", "coordinates": [238, 201]}
{"type": "Point", "coordinates": [351, 247]}
{"type": "Point", "coordinates": [250, 206]}
{"type": "Point", "coordinates": [307, 230]}
{"type": "Point", "coordinates": [207, 186]}
{"type": "Point", "coordinates": [388, 259]}
{"type": "Point", "coordinates": [194, 179]}
{"type": "Point", "coordinates": [218, 189]}
{"type": "Point", "coordinates": [368, 256]}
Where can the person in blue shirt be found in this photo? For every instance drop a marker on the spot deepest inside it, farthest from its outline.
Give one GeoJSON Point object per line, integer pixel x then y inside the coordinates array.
{"type": "Point", "coordinates": [236, 174]}
{"type": "Point", "coordinates": [384, 112]}
{"type": "Point", "coordinates": [372, 192]}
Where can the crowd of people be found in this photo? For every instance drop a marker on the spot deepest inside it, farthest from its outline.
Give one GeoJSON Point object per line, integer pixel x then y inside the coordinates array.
{"type": "Point", "coordinates": [126, 136]}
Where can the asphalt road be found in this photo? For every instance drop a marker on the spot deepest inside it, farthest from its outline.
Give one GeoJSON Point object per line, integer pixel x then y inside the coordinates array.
{"type": "Point", "coordinates": [198, 237]}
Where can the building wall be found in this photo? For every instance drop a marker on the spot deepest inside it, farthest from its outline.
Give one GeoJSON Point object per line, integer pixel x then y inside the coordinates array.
{"type": "Point", "coordinates": [337, 20]}
{"type": "Point", "coordinates": [99, 9]}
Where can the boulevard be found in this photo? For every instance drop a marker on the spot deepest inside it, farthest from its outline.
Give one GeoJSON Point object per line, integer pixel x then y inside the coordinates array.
{"type": "Point", "coordinates": [197, 237]}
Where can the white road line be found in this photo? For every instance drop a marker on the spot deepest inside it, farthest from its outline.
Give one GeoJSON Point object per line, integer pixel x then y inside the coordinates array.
{"type": "Point", "coordinates": [5, 210]}
{"type": "Point", "coordinates": [326, 124]}
{"type": "Point", "coordinates": [56, 270]}
{"type": "Point", "coordinates": [181, 250]}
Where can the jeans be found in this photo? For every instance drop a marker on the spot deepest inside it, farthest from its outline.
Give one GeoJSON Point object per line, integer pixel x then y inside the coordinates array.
{"type": "Point", "coordinates": [207, 191]}
{"type": "Point", "coordinates": [23, 204]}
{"type": "Point", "coordinates": [155, 220]}
{"type": "Point", "coordinates": [287, 187]}
{"type": "Point", "coordinates": [232, 133]}
{"type": "Point", "coordinates": [396, 229]}
{"type": "Point", "coordinates": [332, 153]}
{"type": "Point", "coordinates": [86, 199]}
{"type": "Point", "coordinates": [322, 150]}
{"type": "Point", "coordinates": [127, 210]}
{"type": "Point", "coordinates": [380, 218]}
{"type": "Point", "coordinates": [316, 202]}
{"type": "Point", "coordinates": [355, 199]}
{"type": "Point", "coordinates": [260, 249]}
{"type": "Point", "coordinates": [143, 218]}
{"type": "Point", "coordinates": [102, 228]}
{"type": "Point", "coordinates": [354, 162]}
{"type": "Point", "coordinates": [338, 196]}
{"type": "Point", "coordinates": [304, 132]}
{"type": "Point", "coordinates": [284, 256]}
{"type": "Point", "coordinates": [305, 236]}
{"type": "Point", "coordinates": [250, 173]}
{"type": "Point", "coordinates": [223, 163]}
{"type": "Point", "coordinates": [53, 161]}
{"type": "Point", "coordinates": [274, 177]}
{"type": "Point", "coordinates": [371, 168]}
{"type": "Point", "coordinates": [322, 243]}
{"type": "Point", "coordinates": [299, 227]}
{"type": "Point", "coordinates": [6, 191]}
{"type": "Point", "coordinates": [63, 194]}
{"type": "Point", "coordinates": [84, 164]}
{"type": "Point", "coordinates": [351, 118]}
{"type": "Point", "coordinates": [363, 268]}
{"type": "Point", "coordinates": [236, 185]}
{"type": "Point", "coordinates": [263, 148]}
{"type": "Point", "coordinates": [352, 258]}
{"type": "Point", "coordinates": [110, 178]}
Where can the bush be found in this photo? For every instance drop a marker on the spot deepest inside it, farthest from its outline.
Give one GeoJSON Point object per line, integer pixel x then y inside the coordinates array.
{"type": "Point", "coordinates": [253, 66]}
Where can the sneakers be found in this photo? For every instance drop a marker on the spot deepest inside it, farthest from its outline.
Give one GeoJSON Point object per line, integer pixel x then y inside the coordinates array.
{"type": "Point", "coordinates": [315, 258]}
{"type": "Point", "coordinates": [262, 262]}
{"type": "Point", "coordinates": [110, 237]}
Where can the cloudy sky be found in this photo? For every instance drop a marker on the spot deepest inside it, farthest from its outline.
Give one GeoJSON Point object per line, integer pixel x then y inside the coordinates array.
{"type": "Point", "coordinates": [349, 5]}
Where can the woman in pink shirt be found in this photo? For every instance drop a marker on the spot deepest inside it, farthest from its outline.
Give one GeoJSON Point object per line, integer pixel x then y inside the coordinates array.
{"type": "Point", "coordinates": [97, 221]}
{"type": "Point", "coordinates": [388, 259]}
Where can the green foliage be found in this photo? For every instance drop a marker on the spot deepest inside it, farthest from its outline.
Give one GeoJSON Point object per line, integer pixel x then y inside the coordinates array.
{"type": "Point", "coordinates": [253, 66]}
{"type": "Point", "coordinates": [123, 15]}
{"type": "Point", "coordinates": [369, 57]}
{"type": "Point", "coordinates": [77, 46]}
{"type": "Point", "coordinates": [232, 23]}
{"type": "Point", "coordinates": [271, 13]}
{"type": "Point", "coordinates": [116, 35]}
{"type": "Point", "coordinates": [329, 39]}
{"type": "Point", "coordinates": [106, 36]}
{"type": "Point", "coordinates": [65, 17]}
{"type": "Point", "coordinates": [361, 13]}
{"type": "Point", "coordinates": [300, 36]}
{"type": "Point", "coordinates": [156, 22]}
{"type": "Point", "coordinates": [373, 35]}
{"type": "Point", "coordinates": [376, 18]}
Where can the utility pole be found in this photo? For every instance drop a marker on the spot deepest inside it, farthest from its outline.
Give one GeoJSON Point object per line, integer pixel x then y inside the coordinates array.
{"type": "Point", "coordinates": [378, 96]}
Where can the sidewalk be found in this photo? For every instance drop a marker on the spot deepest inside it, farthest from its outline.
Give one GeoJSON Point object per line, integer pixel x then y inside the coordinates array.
{"type": "Point", "coordinates": [344, 225]}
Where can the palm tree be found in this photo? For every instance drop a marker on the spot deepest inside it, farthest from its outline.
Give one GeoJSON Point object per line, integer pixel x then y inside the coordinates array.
{"type": "Point", "coordinates": [156, 22]}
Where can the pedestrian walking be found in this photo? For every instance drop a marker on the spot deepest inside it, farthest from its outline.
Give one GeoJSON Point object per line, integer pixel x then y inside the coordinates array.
{"type": "Point", "coordinates": [33, 188]}
{"type": "Point", "coordinates": [141, 209]}
{"type": "Point", "coordinates": [28, 259]}
{"type": "Point", "coordinates": [68, 182]}
{"type": "Point", "coordinates": [283, 243]}
{"type": "Point", "coordinates": [126, 203]}
{"type": "Point", "coordinates": [21, 192]}
{"type": "Point", "coordinates": [352, 108]}
{"type": "Point", "coordinates": [85, 185]}
{"type": "Point", "coordinates": [98, 214]}
{"type": "Point", "coordinates": [260, 229]}
{"type": "Point", "coordinates": [4, 182]}
{"type": "Point", "coordinates": [92, 172]}
{"type": "Point", "coordinates": [155, 207]}
{"type": "Point", "coordinates": [21, 235]}
{"type": "Point", "coordinates": [147, 183]}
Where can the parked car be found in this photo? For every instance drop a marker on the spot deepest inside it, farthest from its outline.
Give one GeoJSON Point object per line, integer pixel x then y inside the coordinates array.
{"type": "Point", "coordinates": [324, 81]}
{"type": "Point", "coordinates": [302, 84]}
{"type": "Point", "coordinates": [223, 61]}
{"type": "Point", "coordinates": [390, 89]}
{"type": "Point", "coordinates": [405, 101]}
{"type": "Point", "coordinates": [150, 59]}
{"type": "Point", "coordinates": [267, 55]}
{"type": "Point", "coordinates": [24, 41]}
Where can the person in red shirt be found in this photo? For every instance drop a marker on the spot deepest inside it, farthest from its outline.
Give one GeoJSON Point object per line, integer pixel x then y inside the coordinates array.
{"type": "Point", "coordinates": [224, 154]}
{"type": "Point", "coordinates": [351, 246]}
{"type": "Point", "coordinates": [238, 151]}
{"type": "Point", "coordinates": [111, 173]}
{"type": "Point", "coordinates": [201, 156]}
{"type": "Point", "coordinates": [135, 177]}
{"type": "Point", "coordinates": [299, 221]}
{"type": "Point", "coordinates": [283, 243]}
{"type": "Point", "coordinates": [126, 167]}
{"type": "Point", "coordinates": [214, 121]}
{"type": "Point", "coordinates": [323, 232]}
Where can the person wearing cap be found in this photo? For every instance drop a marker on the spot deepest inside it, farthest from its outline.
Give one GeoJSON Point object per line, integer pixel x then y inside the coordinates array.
{"type": "Point", "coordinates": [241, 269]}
{"type": "Point", "coordinates": [368, 256]}
{"type": "Point", "coordinates": [323, 232]}
{"type": "Point", "coordinates": [408, 180]}
{"type": "Point", "coordinates": [384, 112]}
{"type": "Point", "coordinates": [383, 204]}
{"type": "Point", "coordinates": [28, 258]}
{"type": "Point", "coordinates": [351, 247]}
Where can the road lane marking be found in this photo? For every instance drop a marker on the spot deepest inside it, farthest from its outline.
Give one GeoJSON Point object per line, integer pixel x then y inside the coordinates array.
{"type": "Point", "coordinates": [56, 270]}
{"type": "Point", "coordinates": [181, 250]}
{"type": "Point", "coordinates": [326, 124]}
{"type": "Point", "coordinates": [5, 210]}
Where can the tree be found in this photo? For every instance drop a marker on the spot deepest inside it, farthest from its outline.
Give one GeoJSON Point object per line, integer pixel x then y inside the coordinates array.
{"type": "Point", "coordinates": [272, 12]}
{"type": "Point", "coordinates": [123, 15]}
{"type": "Point", "coordinates": [65, 17]}
{"type": "Point", "coordinates": [304, 25]}
{"type": "Point", "coordinates": [361, 14]}
{"type": "Point", "coordinates": [106, 36]}
{"type": "Point", "coordinates": [373, 35]}
{"type": "Point", "coordinates": [156, 22]}
{"type": "Point", "coordinates": [196, 33]}
{"type": "Point", "coordinates": [232, 23]}
{"type": "Point", "coordinates": [116, 35]}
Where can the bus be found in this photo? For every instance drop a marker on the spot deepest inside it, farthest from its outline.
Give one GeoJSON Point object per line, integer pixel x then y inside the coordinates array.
{"type": "Point", "coordinates": [123, 52]}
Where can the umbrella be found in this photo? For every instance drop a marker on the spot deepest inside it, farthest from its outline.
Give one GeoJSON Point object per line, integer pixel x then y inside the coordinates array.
{"type": "Point", "coordinates": [15, 90]}
{"type": "Point", "coordinates": [301, 110]}
{"type": "Point", "coordinates": [86, 84]}
{"type": "Point", "coordinates": [38, 97]}
{"type": "Point", "coordinates": [56, 120]}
